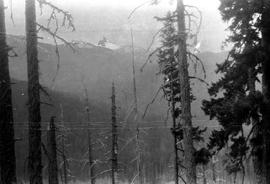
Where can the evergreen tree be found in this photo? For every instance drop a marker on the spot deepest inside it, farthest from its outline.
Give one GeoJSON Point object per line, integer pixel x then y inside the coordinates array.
{"type": "Point", "coordinates": [235, 101]}
{"type": "Point", "coordinates": [265, 30]}
{"type": "Point", "coordinates": [169, 68]}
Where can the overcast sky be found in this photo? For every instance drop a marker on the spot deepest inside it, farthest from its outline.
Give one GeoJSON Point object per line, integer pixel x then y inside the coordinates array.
{"type": "Point", "coordinates": [88, 17]}
{"type": "Point", "coordinates": [210, 4]}
{"type": "Point", "coordinates": [203, 4]}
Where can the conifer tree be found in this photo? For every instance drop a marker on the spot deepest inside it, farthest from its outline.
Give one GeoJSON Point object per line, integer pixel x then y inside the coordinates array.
{"type": "Point", "coordinates": [265, 30]}
{"type": "Point", "coordinates": [169, 69]}
{"type": "Point", "coordinates": [241, 103]}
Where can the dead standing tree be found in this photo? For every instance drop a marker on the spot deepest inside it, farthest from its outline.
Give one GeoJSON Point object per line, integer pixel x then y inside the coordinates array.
{"type": "Point", "coordinates": [62, 149]}
{"type": "Point", "coordinates": [52, 153]}
{"type": "Point", "coordinates": [34, 87]}
{"type": "Point", "coordinates": [114, 140]}
{"type": "Point", "coordinates": [185, 97]}
{"type": "Point", "coordinates": [7, 143]}
{"type": "Point", "coordinates": [89, 135]}
{"type": "Point", "coordinates": [34, 162]}
{"type": "Point", "coordinates": [138, 144]}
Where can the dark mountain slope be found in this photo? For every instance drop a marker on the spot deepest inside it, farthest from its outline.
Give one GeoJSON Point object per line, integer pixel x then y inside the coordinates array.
{"type": "Point", "coordinates": [98, 67]}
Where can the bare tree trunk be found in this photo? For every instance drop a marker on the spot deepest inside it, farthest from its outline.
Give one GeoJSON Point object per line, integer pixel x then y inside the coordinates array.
{"type": "Point", "coordinates": [114, 139]}
{"type": "Point", "coordinates": [138, 147]}
{"type": "Point", "coordinates": [34, 163]}
{"type": "Point", "coordinates": [139, 162]}
{"type": "Point", "coordinates": [185, 97]}
{"type": "Point", "coordinates": [63, 148]}
{"type": "Point", "coordinates": [90, 149]}
{"type": "Point", "coordinates": [7, 144]}
{"type": "Point", "coordinates": [90, 158]}
{"type": "Point", "coordinates": [52, 153]}
{"type": "Point", "coordinates": [64, 172]}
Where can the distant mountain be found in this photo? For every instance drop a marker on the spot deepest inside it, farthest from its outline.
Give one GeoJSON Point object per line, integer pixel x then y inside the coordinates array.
{"type": "Point", "coordinates": [97, 67]}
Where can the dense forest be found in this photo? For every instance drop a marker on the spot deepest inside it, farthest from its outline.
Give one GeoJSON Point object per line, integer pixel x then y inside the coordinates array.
{"type": "Point", "coordinates": [144, 98]}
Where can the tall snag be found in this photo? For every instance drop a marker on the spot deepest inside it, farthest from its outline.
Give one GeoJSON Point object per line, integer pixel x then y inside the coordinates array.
{"type": "Point", "coordinates": [114, 139]}
{"type": "Point", "coordinates": [185, 97]}
{"type": "Point", "coordinates": [63, 136]}
{"type": "Point", "coordinates": [90, 142]}
{"type": "Point", "coordinates": [138, 145]}
{"type": "Point", "coordinates": [34, 117]}
{"type": "Point", "coordinates": [52, 153]}
{"type": "Point", "coordinates": [7, 146]}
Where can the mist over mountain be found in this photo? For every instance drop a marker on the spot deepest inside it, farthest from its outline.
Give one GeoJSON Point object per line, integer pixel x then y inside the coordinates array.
{"type": "Point", "coordinates": [97, 67]}
{"type": "Point", "coordinates": [116, 24]}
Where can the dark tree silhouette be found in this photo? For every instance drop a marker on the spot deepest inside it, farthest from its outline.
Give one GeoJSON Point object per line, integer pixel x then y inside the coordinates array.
{"type": "Point", "coordinates": [241, 103]}
{"type": "Point", "coordinates": [7, 143]}
{"type": "Point", "coordinates": [34, 116]}
{"type": "Point", "coordinates": [114, 172]}
{"type": "Point", "coordinates": [190, 171]}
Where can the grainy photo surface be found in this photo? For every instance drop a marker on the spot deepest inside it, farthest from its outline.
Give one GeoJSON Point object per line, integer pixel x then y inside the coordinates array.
{"type": "Point", "coordinates": [134, 91]}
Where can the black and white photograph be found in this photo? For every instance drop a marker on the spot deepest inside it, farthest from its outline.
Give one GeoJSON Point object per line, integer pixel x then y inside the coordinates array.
{"type": "Point", "coordinates": [134, 92]}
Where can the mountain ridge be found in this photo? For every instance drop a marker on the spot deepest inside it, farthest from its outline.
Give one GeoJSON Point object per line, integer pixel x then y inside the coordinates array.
{"type": "Point", "coordinates": [97, 67]}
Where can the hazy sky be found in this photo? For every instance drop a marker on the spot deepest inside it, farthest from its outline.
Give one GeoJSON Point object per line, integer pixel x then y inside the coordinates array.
{"type": "Point", "coordinates": [211, 4]}
{"type": "Point", "coordinates": [88, 18]}
{"type": "Point", "coordinates": [203, 4]}
{"type": "Point", "coordinates": [133, 3]}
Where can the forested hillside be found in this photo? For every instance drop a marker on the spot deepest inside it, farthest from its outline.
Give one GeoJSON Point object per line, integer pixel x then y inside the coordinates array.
{"type": "Point", "coordinates": [98, 66]}
{"type": "Point", "coordinates": [134, 92]}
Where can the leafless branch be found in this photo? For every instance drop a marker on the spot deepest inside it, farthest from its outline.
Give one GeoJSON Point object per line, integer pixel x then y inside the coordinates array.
{"type": "Point", "coordinates": [67, 17]}
{"type": "Point", "coordinates": [50, 32]}
{"type": "Point", "coordinates": [135, 9]}
{"type": "Point", "coordinates": [182, 178]}
{"type": "Point", "coordinates": [132, 181]}
{"type": "Point", "coordinates": [101, 173]}
{"type": "Point", "coordinates": [152, 101]}
{"type": "Point", "coordinates": [199, 79]}
{"type": "Point", "coordinates": [153, 39]}
{"type": "Point", "coordinates": [11, 11]}
{"type": "Point", "coordinates": [197, 59]}
{"type": "Point", "coordinates": [149, 57]}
